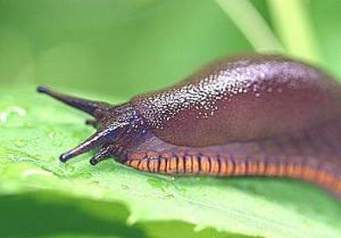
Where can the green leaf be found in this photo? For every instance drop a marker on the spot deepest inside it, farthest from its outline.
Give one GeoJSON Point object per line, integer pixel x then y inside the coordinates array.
{"type": "Point", "coordinates": [114, 200]}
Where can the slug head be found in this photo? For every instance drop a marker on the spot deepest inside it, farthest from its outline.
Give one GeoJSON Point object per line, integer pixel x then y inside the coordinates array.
{"type": "Point", "coordinates": [114, 124]}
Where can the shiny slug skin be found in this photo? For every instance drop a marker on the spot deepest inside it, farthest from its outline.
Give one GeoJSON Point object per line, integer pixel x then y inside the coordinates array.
{"type": "Point", "coordinates": [262, 115]}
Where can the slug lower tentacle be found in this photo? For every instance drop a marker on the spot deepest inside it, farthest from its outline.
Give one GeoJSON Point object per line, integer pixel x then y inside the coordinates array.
{"type": "Point", "coordinates": [255, 115]}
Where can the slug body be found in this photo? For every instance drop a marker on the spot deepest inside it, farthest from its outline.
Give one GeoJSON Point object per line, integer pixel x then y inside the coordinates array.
{"type": "Point", "coordinates": [249, 115]}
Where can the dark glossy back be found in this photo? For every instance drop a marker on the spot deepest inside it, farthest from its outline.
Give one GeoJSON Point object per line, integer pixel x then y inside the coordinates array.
{"type": "Point", "coordinates": [242, 99]}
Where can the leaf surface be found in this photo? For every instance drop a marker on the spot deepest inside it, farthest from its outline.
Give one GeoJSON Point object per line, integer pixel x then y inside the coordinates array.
{"type": "Point", "coordinates": [35, 130]}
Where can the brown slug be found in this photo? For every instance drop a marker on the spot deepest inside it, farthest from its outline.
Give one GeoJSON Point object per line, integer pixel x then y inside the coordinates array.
{"type": "Point", "coordinates": [255, 115]}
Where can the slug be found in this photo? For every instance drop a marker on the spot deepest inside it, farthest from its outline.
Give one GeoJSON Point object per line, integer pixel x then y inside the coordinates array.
{"type": "Point", "coordinates": [251, 115]}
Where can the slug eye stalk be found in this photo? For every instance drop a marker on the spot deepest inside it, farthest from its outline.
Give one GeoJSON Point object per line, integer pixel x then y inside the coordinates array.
{"type": "Point", "coordinates": [112, 132]}
{"type": "Point", "coordinates": [88, 106]}
{"type": "Point", "coordinates": [99, 139]}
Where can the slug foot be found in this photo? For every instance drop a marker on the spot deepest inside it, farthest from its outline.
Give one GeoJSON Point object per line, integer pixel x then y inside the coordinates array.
{"type": "Point", "coordinates": [198, 163]}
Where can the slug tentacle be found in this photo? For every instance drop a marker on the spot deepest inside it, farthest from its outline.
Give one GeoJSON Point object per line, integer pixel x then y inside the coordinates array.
{"type": "Point", "coordinates": [102, 154]}
{"type": "Point", "coordinates": [88, 106]}
{"type": "Point", "coordinates": [115, 125]}
{"type": "Point", "coordinates": [91, 122]}
{"type": "Point", "coordinates": [99, 138]}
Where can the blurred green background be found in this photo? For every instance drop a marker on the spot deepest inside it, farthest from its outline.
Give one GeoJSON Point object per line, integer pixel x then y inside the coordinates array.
{"type": "Point", "coordinates": [122, 47]}
{"type": "Point", "coordinates": [119, 48]}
